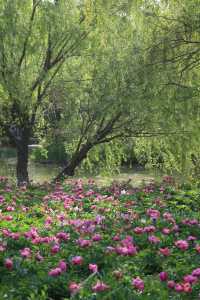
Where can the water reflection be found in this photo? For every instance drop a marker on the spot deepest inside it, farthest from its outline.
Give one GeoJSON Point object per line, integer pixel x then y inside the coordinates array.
{"type": "Point", "coordinates": [37, 172]}
{"type": "Point", "coordinates": [45, 172]}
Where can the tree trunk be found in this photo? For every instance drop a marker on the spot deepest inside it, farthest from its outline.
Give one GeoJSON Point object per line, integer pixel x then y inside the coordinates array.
{"type": "Point", "coordinates": [22, 164]}
{"type": "Point", "coordinates": [76, 160]}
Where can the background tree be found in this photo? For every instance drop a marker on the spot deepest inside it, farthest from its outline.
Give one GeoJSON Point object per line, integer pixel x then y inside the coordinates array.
{"type": "Point", "coordinates": [37, 38]}
{"type": "Point", "coordinates": [174, 57]}
{"type": "Point", "coordinates": [115, 97]}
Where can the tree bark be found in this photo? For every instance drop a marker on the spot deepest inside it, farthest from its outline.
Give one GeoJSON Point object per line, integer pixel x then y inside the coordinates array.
{"type": "Point", "coordinates": [75, 161]}
{"type": "Point", "coordinates": [22, 164]}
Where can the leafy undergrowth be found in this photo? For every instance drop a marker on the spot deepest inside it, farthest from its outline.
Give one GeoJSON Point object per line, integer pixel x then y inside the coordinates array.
{"type": "Point", "coordinates": [81, 242]}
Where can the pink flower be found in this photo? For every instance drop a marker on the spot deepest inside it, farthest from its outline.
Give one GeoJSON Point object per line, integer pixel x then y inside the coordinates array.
{"type": "Point", "coordinates": [8, 218]}
{"type": "Point", "coordinates": [167, 216]}
{"type": "Point", "coordinates": [166, 231]}
{"type": "Point", "coordinates": [2, 248]}
{"type": "Point", "coordinates": [74, 287]}
{"type": "Point", "coordinates": [127, 241]}
{"type": "Point", "coordinates": [164, 251]}
{"type": "Point", "coordinates": [15, 235]}
{"type": "Point", "coordinates": [153, 213]}
{"type": "Point", "coordinates": [191, 238]}
{"type": "Point", "coordinates": [116, 238]}
{"type": "Point", "coordinates": [48, 221]}
{"type": "Point", "coordinates": [63, 236]}
{"type": "Point", "coordinates": [110, 249]}
{"type": "Point", "coordinates": [8, 263]}
{"type": "Point", "coordinates": [93, 268]}
{"type": "Point", "coordinates": [39, 257]}
{"type": "Point", "coordinates": [190, 278]}
{"type": "Point", "coordinates": [196, 272]}
{"type": "Point", "coordinates": [62, 265]}
{"type": "Point", "coordinates": [182, 245]}
{"type": "Point", "coordinates": [126, 250]}
{"type": "Point", "coordinates": [55, 249]}
{"type": "Point", "coordinates": [2, 199]}
{"type": "Point", "coordinates": [178, 288]}
{"type": "Point", "coordinates": [171, 284]}
{"type": "Point", "coordinates": [10, 208]}
{"type": "Point", "coordinates": [26, 252]}
{"type": "Point", "coordinates": [96, 237]}
{"type": "Point", "coordinates": [163, 276]}
{"type": "Point", "coordinates": [84, 243]}
{"type": "Point", "coordinates": [55, 272]}
{"type": "Point", "coordinates": [77, 260]}
{"type": "Point", "coordinates": [61, 217]}
{"type": "Point", "coordinates": [138, 230]}
{"type": "Point", "coordinates": [153, 239]}
{"type": "Point", "coordinates": [187, 288]}
{"type": "Point", "coordinates": [6, 232]}
{"type": "Point", "coordinates": [99, 287]}
{"type": "Point", "coordinates": [175, 228]}
{"type": "Point", "coordinates": [138, 283]}
{"type": "Point", "coordinates": [197, 248]}
{"type": "Point", "coordinates": [149, 228]}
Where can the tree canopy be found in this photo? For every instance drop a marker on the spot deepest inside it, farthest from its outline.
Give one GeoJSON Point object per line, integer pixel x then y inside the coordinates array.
{"type": "Point", "coordinates": [96, 73]}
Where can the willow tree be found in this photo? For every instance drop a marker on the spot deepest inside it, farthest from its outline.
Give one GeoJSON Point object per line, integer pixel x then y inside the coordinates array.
{"type": "Point", "coordinates": [114, 97]}
{"type": "Point", "coordinates": [37, 38]}
{"type": "Point", "coordinates": [173, 58]}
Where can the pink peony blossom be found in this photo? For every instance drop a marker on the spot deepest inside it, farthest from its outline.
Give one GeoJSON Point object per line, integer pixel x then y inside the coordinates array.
{"type": "Point", "coordinates": [166, 231]}
{"type": "Point", "coordinates": [55, 272]}
{"type": "Point", "coordinates": [191, 238]}
{"type": "Point", "coordinates": [164, 251]}
{"type": "Point", "coordinates": [187, 288]}
{"type": "Point", "coordinates": [163, 276]}
{"type": "Point", "coordinates": [153, 239]}
{"type": "Point", "coordinates": [126, 250]}
{"type": "Point", "coordinates": [178, 288]}
{"type": "Point", "coordinates": [39, 257]}
{"type": "Point", "coordinates": [74, 287]}
{"type": "Point", "coordinates": [77, 260]}
{"type": "Point", "coordinates": [138, 230]}
{"type": "Point", "coordinates": [8, 218]}
{"type": "Point", "coordinates": [153, 213]}
{"type": "Point", "coordinates": [62, 265]}
{"type": "Point", "coordinates": [197, 248]}
{"type": "Point", "coordinates": [138, 283]}
{"type": "Point", "coordinates": [93, 268]}
{"type": "Point", "coordinates": [149, 228]}
{"type": "Point", "coordinates": [15, 235]}
{"type": "Point", "coordinates": [8, 263]}
{"type": "Point", "coordinates": [26, 252]}
{"type": "Point", "coordinates": [116, 238]}
{"type": "Point", "coordinates": [100, 287]}
{"type": "Point", "coordinates": [182, 245]}
{"type": "Point", "coordinates": [55, 249]}
{"type": "Point", "coordinates": [96, 237]}
{"type": "Point", "coordinates": [10, 208]}
{"type": "Point", "coordinates": [190, 279]}
{"type": "Point", "coordinates": [196, 272]}
{"type": "Point", "coordinates": [83, 243]}
{"type": "Point", "coordinates": [171, 284]}
{"type": "Point", "coordinates": [63, 236]}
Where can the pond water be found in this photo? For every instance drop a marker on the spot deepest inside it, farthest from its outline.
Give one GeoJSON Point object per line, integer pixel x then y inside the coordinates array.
{"type": "Point", "coordinates": [46, 172]}
{"type": "Point", "coordinates": [37, 172]}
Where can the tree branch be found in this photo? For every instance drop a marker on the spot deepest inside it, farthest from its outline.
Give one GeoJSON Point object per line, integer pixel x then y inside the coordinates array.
{"type": "Point", "coordinates": [25, 44]}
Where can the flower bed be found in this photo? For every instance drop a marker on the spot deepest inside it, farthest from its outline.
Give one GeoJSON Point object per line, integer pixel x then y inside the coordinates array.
{"type": "Point", "coordinates": [81, 242]}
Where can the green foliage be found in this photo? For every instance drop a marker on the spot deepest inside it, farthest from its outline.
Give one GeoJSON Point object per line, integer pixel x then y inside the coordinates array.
{"type": "Point", "coordinates": [121, 213]}
{"type": "Point", "coordinates": [74, 74]}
